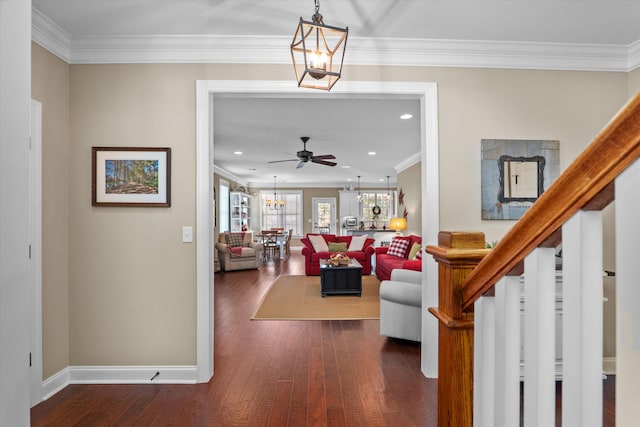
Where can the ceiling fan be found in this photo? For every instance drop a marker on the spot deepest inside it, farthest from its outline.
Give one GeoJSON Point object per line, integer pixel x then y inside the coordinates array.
{"type": "Point", "coordinates": [305, 155]}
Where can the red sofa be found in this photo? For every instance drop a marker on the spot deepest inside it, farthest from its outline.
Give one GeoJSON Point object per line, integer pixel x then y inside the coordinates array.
{"type": "Point", "coordinates": [385, 263]}
{"type": "Point", "coordinates": [312, 258]}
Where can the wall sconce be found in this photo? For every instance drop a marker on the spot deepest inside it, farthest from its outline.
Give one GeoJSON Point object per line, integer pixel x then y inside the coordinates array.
{"type": "Point", "coordinates": [317, 51]}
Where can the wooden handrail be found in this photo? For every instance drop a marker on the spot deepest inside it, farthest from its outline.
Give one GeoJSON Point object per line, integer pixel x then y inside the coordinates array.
{"type": "Point", "coordinates": [586, 184]}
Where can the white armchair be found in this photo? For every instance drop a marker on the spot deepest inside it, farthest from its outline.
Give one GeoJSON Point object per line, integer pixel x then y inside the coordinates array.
{"type": "Point", "coordinates": [401, 305]}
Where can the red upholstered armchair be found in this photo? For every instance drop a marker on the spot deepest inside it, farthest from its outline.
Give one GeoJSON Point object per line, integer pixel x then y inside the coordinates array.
{"type": "Point", "coordinates": [386, 263]}
{"type": "Point", "coordinates": [312, 257]}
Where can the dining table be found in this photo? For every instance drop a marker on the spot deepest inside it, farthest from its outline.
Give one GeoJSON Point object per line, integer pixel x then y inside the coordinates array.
{"type": "Point", "coordinates": [281, 237]}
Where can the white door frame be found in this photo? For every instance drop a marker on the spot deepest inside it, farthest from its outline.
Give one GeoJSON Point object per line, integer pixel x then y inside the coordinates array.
{"type": "Point", "coordinates": [35, 250]}
{"type": "Point", "coordinates": [425, 92]}
{"type": "Point", "coordinates": [314, 214]}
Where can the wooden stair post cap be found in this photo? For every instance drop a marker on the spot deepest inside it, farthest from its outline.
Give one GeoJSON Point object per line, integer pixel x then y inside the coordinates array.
{"type": "Point", "coordinates": [461, 239]}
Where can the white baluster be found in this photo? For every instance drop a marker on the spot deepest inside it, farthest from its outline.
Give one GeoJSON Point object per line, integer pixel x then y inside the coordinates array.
{"type": "Point", "coordinates": [627, 296]}
{"type": "Point", "coordinates": [539, 338]}
{"type": "Point", "coordinates": [507, 400]}
{"type": "Point", "coordinates": [582, 244]}
{"type": "Point", "coordinates": [484, 371]}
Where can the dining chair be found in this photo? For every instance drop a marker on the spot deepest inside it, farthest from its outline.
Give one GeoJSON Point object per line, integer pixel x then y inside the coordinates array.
{"type": "Point", "coordinates": [270, 244]}
{"type": "Point", "coordinates": [287, 244]}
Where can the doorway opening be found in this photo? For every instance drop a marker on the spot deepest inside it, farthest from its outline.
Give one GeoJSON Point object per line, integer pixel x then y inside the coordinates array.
{"type": "Point", "coordinates": [206, 90]}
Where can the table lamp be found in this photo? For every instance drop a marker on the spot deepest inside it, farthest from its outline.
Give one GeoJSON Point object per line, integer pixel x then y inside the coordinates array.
{"type": "Point", "coordinates": [398, 224]}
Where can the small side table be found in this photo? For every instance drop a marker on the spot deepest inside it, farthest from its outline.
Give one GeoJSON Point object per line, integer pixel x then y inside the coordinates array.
{"type": "Point", "coordinates": [343, 279]}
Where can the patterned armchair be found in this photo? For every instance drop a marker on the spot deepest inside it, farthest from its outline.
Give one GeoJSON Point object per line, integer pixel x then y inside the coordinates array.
{"type": "Point", "coordinates": [238, 251]}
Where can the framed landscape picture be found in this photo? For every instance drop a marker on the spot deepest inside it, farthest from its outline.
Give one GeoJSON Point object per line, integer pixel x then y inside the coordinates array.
{"type": "Point", "coordinates": [131, 176]}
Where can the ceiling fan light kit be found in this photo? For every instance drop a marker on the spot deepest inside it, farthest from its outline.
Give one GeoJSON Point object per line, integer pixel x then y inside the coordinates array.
{"type": "Point", "coordinates": [317, 51]}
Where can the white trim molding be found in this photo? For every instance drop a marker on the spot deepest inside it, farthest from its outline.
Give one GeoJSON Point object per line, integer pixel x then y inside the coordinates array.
{"type": "Point", "coordinates": [205, 147]}
{"type": "Point", "coordinates": [50, 36]}
{"type": "Point", "coordinates": [407, 163]}
{"type": "Point", "coordinates": [118, 375]}
{"type": "Point", "coordinates": [230, 49]}
{"type": "Point", "coordinates": [634, 56]}
{"type": "Point", "coordinates": [609, 365]}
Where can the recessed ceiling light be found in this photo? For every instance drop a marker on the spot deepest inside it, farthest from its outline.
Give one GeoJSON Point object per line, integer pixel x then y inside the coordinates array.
{"type": "Point", "coordinates": [381, 179]}
{"type": "Point", "coordinates": [349, 179]}
{"type": "Point", "coordinates": [346, 167]}
{"type": "Point", "coordinates": [238, 153]}
{"type": "Point", "coordinates": [406, 116]}
{"type": "Point", "coordinates": [372, 153]}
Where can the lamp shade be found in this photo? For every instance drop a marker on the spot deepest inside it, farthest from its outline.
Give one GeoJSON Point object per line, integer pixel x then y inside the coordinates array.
{"type": "Point", "coordinates": [398, 224]}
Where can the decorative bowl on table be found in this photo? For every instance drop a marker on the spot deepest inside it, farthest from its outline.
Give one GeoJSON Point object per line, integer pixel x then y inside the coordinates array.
{"type": "Point", "coordinates": [338, 259]}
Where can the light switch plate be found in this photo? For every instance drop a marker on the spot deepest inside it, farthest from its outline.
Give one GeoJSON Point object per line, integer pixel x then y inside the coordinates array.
{"type": "Point", "coordinates": [187, 234]}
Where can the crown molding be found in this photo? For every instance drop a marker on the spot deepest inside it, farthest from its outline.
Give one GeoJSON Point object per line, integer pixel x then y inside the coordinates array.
{"type": "Point", "coordinates": [339, 185]}
{"type": "Point", "coordinates": [223, 173]}
{"type": "Point", "coordinates": [50, 36]}
{"type": "Point", "coordinates": [361, 51]}
{"type": "Point", "coordinates": [634, 56]}
{"type": "Point", "coordinates": [407, 163]}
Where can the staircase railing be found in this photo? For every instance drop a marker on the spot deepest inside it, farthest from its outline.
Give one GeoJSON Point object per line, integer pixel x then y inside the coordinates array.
{"type": "Point", "coordinates": [479, 295]}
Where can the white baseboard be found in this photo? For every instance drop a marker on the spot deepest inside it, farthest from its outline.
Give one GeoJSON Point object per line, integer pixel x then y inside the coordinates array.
{"type": "Point", "coordinates": [55, 383]}
{"type": "Point", "coordinates": [609, 365]}
{"type": "Point", "coordinates": [118, 375]}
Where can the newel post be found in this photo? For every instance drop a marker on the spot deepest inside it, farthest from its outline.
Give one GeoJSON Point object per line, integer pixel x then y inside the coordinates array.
{"type": "Point", "coordinates": [457, 254]}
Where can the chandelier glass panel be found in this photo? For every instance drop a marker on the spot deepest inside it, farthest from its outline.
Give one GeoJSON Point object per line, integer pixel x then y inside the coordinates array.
{"type": "Point", "coordinates": [317, 51]}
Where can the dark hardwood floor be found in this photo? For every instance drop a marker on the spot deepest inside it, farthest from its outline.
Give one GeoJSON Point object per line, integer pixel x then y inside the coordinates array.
{"type": "Point", "coordinates": [269, 373]}
{"type": "Point", "coordinates": [273, 373]}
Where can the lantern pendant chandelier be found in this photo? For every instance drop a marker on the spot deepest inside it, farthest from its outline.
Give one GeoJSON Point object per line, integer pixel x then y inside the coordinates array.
{"type": "Point", "coordinates": [317, 51]}
{"type": "Point", "coordinates": [275, 203]}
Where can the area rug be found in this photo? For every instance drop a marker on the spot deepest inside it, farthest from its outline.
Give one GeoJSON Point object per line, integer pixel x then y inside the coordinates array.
{"type": "Point", "coordinates": [299, 298]}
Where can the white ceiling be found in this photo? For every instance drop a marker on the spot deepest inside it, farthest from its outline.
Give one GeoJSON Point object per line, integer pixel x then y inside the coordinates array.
{"type": "Point", "coordinates": [268, 129]}
{"type": "Point", "coordinates": [542, 34]}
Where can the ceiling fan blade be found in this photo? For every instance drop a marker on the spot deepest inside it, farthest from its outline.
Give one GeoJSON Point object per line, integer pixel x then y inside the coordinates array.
{"type": "Point", "coordinates": [325, 157]}
{"type": "Point", "coordinates": [301, 164]}
{"type": "Point", "coordinates": [280, 161]}
{"type": "Point", "coordinates": [323, 162]}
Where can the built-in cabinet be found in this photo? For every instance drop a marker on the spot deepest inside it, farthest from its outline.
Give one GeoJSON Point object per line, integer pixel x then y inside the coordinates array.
{"type": "Point", "coordinates": [240, 206]}
{"type": "Point", "coordinates": [349, 204]}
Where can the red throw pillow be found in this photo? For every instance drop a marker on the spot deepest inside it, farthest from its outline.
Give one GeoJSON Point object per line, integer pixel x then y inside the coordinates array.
{"type": "Point", "coordinates": [398, 247]}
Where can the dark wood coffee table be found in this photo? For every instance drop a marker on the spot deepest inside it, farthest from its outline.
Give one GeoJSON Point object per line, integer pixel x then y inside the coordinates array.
{"type": "Point", "coordinates": [343, 279]}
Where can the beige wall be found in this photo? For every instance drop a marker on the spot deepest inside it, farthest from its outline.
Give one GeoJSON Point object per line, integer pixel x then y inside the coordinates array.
{"type": "Point", "coordinates": [50, 86]}
{"type": "Point", "coordinates": [634, 82]}
{"type": "Point", "coordinates": [131, 282]}
{"type": "Point", "coordinates": [307, 208]}
{"type": "Point", "coordinates": [486, 103]}
{"type": "Point", "coordinates": [410, 181]}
